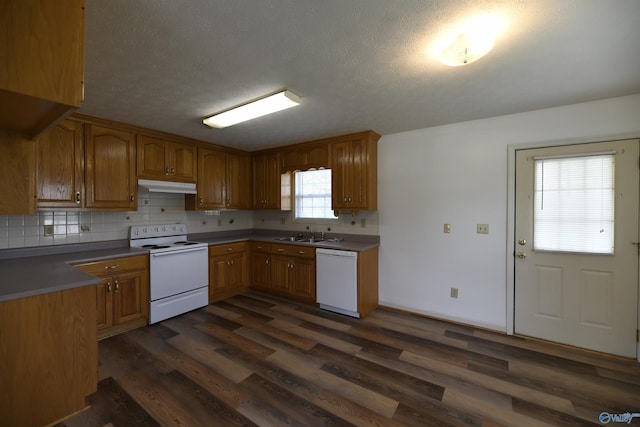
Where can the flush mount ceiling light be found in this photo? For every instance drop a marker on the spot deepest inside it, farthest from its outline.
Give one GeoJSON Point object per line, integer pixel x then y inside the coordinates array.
{"type": "Point", "coordinates": [260, 107]}
{"type": "Point", "coordinates": [467, 48]}
{"type": "Point", "coordinates": [468, 40]}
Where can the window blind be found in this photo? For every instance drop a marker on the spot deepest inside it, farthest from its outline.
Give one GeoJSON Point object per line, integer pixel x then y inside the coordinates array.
{"type": "Point", "coordinates": [574, 202]}
{"type": "Point", "coordinates": [313, 194]}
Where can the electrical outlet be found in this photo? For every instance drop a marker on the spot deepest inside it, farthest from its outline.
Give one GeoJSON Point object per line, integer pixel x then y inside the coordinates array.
{"type": "Point", "coordinates": [447, 228]}
{"type": "Point", "coordinates": [219, 222]}
{"type": "Point", "coordinates": [454, 292]}
{"type": "Point", "coordinates": [482, 229]}
{"type": "Point", "coordinates": [48, 230]}
{"type": "Point", "coordinates": [363, 223]}
{"type": "Point", "coordinates": [282, 220]}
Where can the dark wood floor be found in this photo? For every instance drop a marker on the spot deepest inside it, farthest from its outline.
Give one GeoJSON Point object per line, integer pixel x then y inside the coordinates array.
{"type": "Point", "coordinates": [257, 360]}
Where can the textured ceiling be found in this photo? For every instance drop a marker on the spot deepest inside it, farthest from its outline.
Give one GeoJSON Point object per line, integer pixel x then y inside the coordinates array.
{"type": "Point", "coordinates": [356, 64]}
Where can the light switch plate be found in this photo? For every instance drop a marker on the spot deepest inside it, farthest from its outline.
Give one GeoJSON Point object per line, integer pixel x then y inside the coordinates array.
{"type": "Point", "coordinates": [447, 228]}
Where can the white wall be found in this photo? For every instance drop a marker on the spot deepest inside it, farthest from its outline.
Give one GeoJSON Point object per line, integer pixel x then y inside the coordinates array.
{"type": "Point", "coordinates": [457, 174]}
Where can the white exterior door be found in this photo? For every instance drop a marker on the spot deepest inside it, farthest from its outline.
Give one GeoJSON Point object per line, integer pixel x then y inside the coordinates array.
{"type": "Point", "coordinates": [578, 297]}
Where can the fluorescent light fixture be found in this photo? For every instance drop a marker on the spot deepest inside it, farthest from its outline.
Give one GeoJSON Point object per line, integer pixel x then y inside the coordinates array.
{"type": "Point", "coordinates": [261, 107]}
{"type": "Point", "coordinates": [467, 48]}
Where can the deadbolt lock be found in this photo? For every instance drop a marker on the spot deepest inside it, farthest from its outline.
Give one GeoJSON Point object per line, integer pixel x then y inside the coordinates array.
{"type": "Point", "coordinates": [522, 242]}
{"type": "Point", "coordinates": [522, 255]}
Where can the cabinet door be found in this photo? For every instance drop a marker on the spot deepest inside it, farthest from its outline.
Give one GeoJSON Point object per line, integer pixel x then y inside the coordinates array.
{"type": "Point", "coordinates": [280, 267]}
{"type": "Point", "coordinates": [237, 265]}
{"type": "Point", "coordinates": [152, 163]}
{"type": "Point", "coordinates": [110, 177]}
{"type": "Point", "coordinates": [272, 181]}
{"type": "Point", "coordinates": [260, 270]}
{"type": "Point", "coordinates": [211, 179]}
{"type": "Point", "coordinates": [104, 304]}
{"type": "Point", "coordinates": [218, 272]}
{"type": "Point", "coordinates": [303, 279]}
{"type": "Point", "coordinates": [60, 166]}
{"type": "Point", "coordinates": [358, 174]}
{"type": "Point", "coordinates": [266, 181]}
{"type": "Point", "coordinates": [238, 179]}
{"type": "Point", "coordinates": [182, 161]}
{"type": "Point", "coordinates": [259, 166]}
{"type": "Point", "coordinates": [130, 300]}
{"type": "Point", "coordinates": [340, 175]}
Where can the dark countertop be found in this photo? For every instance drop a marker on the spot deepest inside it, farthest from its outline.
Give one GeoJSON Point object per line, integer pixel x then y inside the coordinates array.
{"type": "Point", "coordinates": [27, 272]}
{"type": "Point", "coordinates": [27, 276]}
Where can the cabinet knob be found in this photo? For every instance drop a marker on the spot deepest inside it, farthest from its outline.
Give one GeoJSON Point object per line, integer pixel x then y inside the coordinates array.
{"type": "Point", "coordinates": [117, 286]}
{"type": "Point", "coordinates": [109, 287]}
{"type": "Point", "coordinates": [166, 171]}
{"type": "Point", "coordinates": [132, 198]}
{"type": "Point", "coordinates": [111, 267]}
{"type": "Point", "coordinates": [201, 200]}
{"type": "Point", "coordinates": [78, 197]}
{"type": "Point", "coordinates": [173, 171]}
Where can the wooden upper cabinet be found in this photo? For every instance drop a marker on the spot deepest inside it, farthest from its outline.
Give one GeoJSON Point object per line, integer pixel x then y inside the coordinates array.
{"type": "Point", "coordinates": [238, 181]}
{"type": "Point", "coordinates": [224, 181]}
{"type": "Point", "coordinates": [42, 49]}
{"type": "Point", "coordinates": [354, 172]}
{"type": "Point", "coordinates": [266, 181]}
{"type": "Point", "coordinates": [305, 156]}
{"type": "Point", "coordinates": [166, 160]}
{"type": "Point", "coordinates": [110, 165]}
{"type": "Point", "coordinates": [60, 166]}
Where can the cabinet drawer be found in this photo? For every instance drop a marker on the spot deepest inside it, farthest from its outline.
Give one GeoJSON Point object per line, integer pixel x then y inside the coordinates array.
{"type": "Point", "coordinates": [260, 247]}
{"type": "Point", "coordinates": [115, 265]}
{"type": "Point", "coordinates": [229, 248]}
{"type": "Point", "coordinates": [294, 250]}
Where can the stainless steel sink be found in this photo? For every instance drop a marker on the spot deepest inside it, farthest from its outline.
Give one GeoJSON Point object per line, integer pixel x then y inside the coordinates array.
{"type": "Point", "coordinates": [309, 240]}
{"type": "Point", "coordinates": [287, 239]}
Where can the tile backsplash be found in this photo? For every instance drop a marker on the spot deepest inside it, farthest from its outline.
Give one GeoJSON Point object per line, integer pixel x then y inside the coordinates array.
{"type": "Point", "coordinates": [48, 227]}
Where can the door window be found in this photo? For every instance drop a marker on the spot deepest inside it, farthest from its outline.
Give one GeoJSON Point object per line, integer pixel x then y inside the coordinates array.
{"type": "Point", "coordinates": [574, 200]}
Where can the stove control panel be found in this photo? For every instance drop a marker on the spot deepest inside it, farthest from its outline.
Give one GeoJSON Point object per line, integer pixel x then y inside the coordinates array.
{"type": "Point", "coordinates": [161, 230]}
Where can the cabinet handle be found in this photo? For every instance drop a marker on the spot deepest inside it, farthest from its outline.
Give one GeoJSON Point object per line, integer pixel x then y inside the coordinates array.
{"type": "Point", "coordinates": [112, 267]}
{"type": "Point", "coordinates": [108, 287]}
{"type": "Point", "coordinates": [78, 197]}
{"type": "Point", "coordinates": [280, 250]}
{"type": "Point", "coordinates": [173, 171]}
{"type": "Point", "coordinates": [117, 286]}
{"type": "Point", "coordinates": [267, 261]}
{"type": "Point", "coordinates": [201, 200]}
{"type": "Point", "coordinates": [132, 198]}
{"type": "Point", "coordinates": [302, 252]}
{"type": "Point", "coordinates": [166, 171]}
{"type": "Point", "coordinates": [231, 262]}
{"type": "Point", "coordinates": [229, 249]}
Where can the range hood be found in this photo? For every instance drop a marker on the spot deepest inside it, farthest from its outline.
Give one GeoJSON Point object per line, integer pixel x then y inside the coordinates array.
{"type": "Point", "coordinates": [167, 186]}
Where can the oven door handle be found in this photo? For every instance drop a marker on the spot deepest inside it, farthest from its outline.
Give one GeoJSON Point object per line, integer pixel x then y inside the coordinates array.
{"type": "Point", "coordinates": [179, 251]}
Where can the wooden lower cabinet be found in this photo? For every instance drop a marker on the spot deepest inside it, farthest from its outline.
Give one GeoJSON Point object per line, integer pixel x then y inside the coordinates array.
{"type": "Point", "coordinates": [285, 270]}
{"type": "Point", "coordinates": [260, 266]}
{"type": "Point", "coordinates": [122, 298]}
{"type": "Point", "coordinates": [228, 270]}
{"type": "Point", "coordinates": [48, 356]}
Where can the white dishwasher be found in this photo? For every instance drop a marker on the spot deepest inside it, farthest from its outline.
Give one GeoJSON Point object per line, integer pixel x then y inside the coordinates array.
{"type": "Point", "coordinates": [337, 281]}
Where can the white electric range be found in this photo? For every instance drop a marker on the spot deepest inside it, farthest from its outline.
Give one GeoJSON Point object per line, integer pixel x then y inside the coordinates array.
{"type": "Point", "coordinates": [178, 269]}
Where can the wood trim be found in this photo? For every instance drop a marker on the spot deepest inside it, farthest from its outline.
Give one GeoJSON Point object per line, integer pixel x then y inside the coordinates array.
{"type": "Point", "coordinates": [138, 130]}
{"type": "Point", "coordinates": [367, 281]}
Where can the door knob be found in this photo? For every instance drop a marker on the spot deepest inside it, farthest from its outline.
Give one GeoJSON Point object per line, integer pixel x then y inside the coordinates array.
{"type": "Point", "coordinates": [522, 255]}
{"type": "Point", "coordinates": [522, 242]}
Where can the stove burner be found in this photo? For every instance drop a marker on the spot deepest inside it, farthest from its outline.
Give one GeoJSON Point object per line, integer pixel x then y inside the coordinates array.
{"type": "Point", "coordinates": [155, 247]}
{"type": "Point", "coordinates": [185, 243]}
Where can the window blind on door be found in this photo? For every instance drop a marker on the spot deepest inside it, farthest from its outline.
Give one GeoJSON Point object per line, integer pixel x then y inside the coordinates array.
{"type": "Point", "coordinates": [574, 201]}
